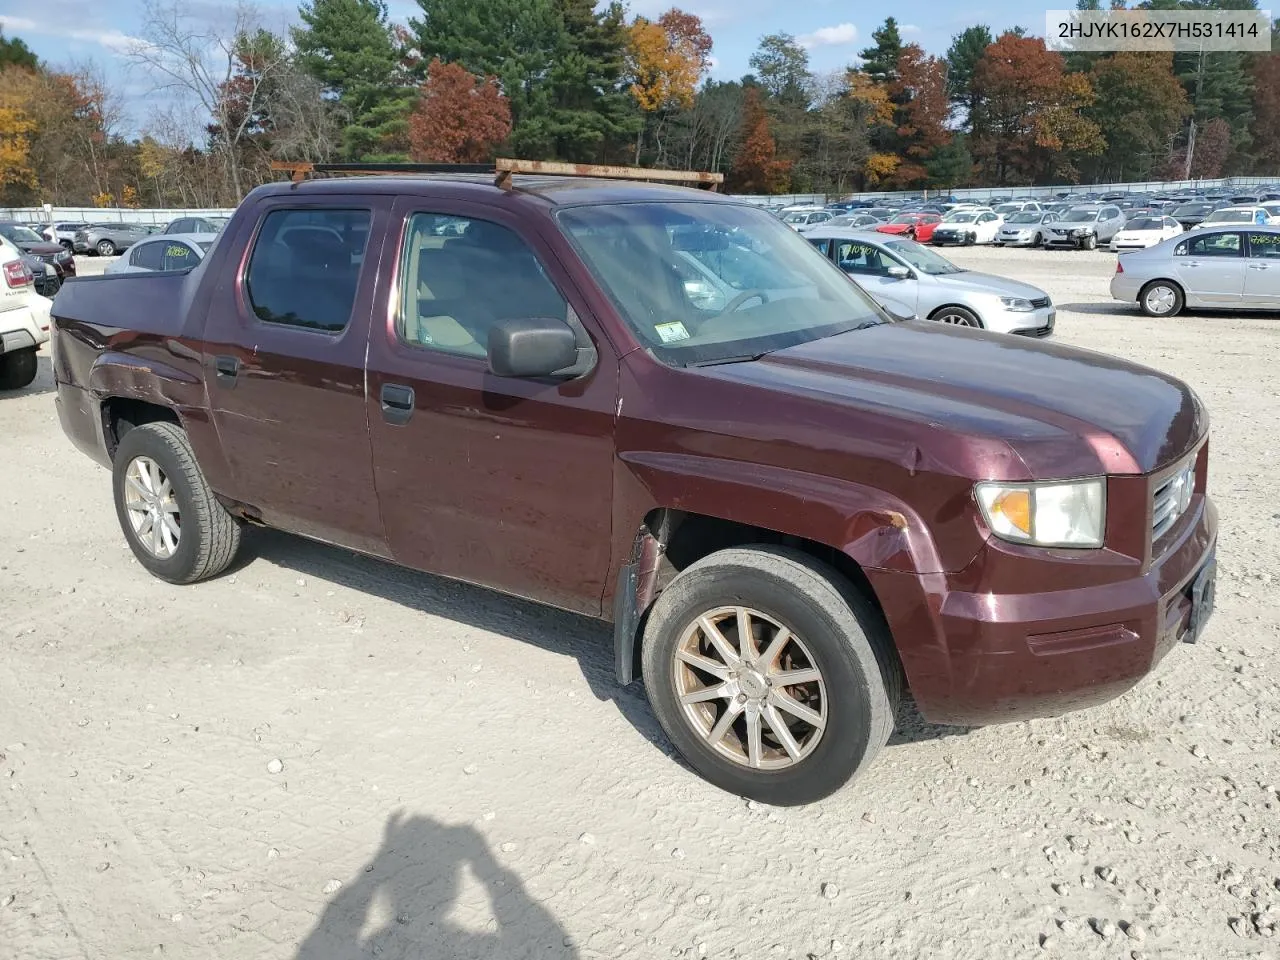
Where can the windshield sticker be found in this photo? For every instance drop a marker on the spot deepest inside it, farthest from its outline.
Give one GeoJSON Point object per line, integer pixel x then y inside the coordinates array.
{"type": "Point", "coordinates": [672, 332]}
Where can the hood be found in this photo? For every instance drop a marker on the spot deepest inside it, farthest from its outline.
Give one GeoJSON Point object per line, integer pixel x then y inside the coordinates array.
{"type": "Point", "coordinates": [894, 227]}
{"type": "Point", "coordinates": [1062, 411]}
{"type": "Point", "coordinates": [989, 283]}
{"type": "Point", "coordinates": [40, 247]}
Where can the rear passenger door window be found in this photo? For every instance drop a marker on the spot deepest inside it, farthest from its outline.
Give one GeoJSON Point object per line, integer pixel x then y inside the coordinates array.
{"type": "Point", "coordinates": [460, 276]}
{"type": "Point", "coordinates": [177, 256]}
{"type": "Point", "coordinates": [1264, 246]}
{"type": "Point", "coordinates": [305, 267]}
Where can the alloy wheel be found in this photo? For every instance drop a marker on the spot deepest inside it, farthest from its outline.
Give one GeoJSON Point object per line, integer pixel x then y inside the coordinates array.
{"type": "Point", "coordinates": [152, 508]}
{"type": "Point", "coordinates": [750, 688]}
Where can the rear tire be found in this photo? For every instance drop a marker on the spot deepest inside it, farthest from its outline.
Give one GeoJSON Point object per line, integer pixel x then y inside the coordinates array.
{"type": "Point", "coordinates": [1161, 298]}
{"type": "Point", "coordinates": [834, 637]}
{"type": "Point", "coordinates": [18, 369]}
{"type": "Point", "coordinates": [155, 478]}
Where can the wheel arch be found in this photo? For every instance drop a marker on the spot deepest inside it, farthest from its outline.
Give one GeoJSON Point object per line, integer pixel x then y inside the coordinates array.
{"type": "Point", "coordinates": [958, 306]}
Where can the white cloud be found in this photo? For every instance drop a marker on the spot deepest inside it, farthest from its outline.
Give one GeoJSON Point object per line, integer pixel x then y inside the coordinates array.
{"type": "Point", "coordinates": [837, 36]}
{"type": "Point", "coordinates": [113, 40]}
{"type": "Point", "coordinates": [908, 28]}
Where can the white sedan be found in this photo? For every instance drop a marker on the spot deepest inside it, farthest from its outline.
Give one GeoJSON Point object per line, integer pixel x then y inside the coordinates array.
{"type": "Point", "coordinates": [967, 227]}
{"type": "Point", "coordinates": [1142, 232]}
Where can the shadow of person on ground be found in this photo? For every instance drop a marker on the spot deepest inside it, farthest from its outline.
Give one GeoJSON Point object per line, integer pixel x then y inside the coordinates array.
{"type": "Point", "coordinates": [398, 906]}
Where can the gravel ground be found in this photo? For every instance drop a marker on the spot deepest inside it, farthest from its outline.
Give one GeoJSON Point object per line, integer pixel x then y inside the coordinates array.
{"type": "Point", "coordinates": [322, 757]}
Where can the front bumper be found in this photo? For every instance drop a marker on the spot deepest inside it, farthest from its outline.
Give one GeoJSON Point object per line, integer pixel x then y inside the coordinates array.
{"type": "Point", "coordinates": [1057, 240]}
{"type": "Point", "coordinates": [942, 239]}
{"type": "Point", "coordinates": [1016, 240]}
{"type": "Point", "coordinates": [975, 656]}
{"type": "Point", "coordinates": [1033, 323]}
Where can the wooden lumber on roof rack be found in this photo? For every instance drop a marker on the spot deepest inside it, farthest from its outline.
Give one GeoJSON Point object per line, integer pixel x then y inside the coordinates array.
{"type": "Point", "coordinates": [503, 168]}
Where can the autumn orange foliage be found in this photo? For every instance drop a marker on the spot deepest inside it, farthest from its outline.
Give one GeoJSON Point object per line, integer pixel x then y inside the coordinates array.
{"type": "Point", "coordinates": [459, 118]}
{"type": "Point", "coordinates": [758, 169]}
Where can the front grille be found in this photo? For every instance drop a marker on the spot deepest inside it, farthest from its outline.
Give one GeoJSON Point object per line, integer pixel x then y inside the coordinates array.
{"type": "Point", "coordinates": [1171, 500]}
{"type": "Point", "coordinates": [1040, 302]}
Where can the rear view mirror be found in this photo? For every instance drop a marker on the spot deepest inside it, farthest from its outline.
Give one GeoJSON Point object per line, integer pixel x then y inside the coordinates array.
{"type": "Point", "coordinates": [899, 273]}
{"type": "Point", "coordinates": [533, 347]}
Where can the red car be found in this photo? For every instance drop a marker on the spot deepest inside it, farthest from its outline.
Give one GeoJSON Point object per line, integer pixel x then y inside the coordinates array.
{"type": "Point", "coordinates": [917, 226]}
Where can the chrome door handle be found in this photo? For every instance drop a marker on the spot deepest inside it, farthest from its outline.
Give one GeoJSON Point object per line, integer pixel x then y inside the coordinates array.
{"type": "Point", "coordinates": [1257, 266]}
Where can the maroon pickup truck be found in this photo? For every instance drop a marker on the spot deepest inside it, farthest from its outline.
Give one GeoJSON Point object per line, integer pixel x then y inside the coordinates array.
{"type": "Point", "coordinates": [660, 407]}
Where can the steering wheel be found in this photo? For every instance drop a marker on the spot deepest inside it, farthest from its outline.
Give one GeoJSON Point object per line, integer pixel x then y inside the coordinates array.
{"type": "Point", "coordinates": [742, 298]}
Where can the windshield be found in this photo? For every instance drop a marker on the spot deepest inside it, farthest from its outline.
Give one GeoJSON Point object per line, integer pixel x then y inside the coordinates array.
{"type": "Point", "coordinates": [796, 217]}
{"type": "Point", "coordinates": [1230, 216]}
{"type": "Point", "coordinates": [1192, 209]}
{"type": "Point", "coordinates": [962, 217]}
{"type": "Point", "coordinates": [921, 257]}
{"type": "Point", "coordinates": [703, 282]}
{"type": "Point", "coordinates": [21, 234]}
{"type": "Point", "coordinates": [1080, 216]}
{"type": "Point", "coordinates": [1009, 208]}
{"type": "Point", "coordinates": [1144, 223]}
{"type": "Point", "coordinates": [1024, 218]}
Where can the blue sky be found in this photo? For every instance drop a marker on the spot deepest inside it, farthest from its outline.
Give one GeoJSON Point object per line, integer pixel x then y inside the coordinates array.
{"type": "Point", "coordinates": [833, 30]}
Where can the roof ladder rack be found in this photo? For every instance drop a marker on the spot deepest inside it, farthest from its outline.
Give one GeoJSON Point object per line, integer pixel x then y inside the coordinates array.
{"type": "Point", "coordinates": [503, 169]}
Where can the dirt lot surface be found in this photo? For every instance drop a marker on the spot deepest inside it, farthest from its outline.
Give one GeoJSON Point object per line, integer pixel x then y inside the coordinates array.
{"type": "Point", "coordinates": [321, 757]}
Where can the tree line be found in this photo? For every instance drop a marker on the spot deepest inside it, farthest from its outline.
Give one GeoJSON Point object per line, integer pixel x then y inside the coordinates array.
{"type": "Point", "coordinates": [577, 81]}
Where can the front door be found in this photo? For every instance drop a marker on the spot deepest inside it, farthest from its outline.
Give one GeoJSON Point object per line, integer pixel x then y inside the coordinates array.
{"type": "Point", "coordinates": [1262, 271]}
{"type": "Point", "coordinates": [1212, 269]}
{"type": "Point", "coordinates": [499, 481]}
{"type": "Point", "coordinates": [284, 348]}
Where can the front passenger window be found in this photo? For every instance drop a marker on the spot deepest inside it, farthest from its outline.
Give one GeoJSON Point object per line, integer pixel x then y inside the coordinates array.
{"type": "Point", "coordinates": [460, 277]}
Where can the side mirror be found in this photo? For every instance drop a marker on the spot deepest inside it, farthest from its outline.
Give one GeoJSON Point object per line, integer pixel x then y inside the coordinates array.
{"type": "Point", "coordinates": [899, 273]}
{"type": "Point", "coordinates": [533, 347]}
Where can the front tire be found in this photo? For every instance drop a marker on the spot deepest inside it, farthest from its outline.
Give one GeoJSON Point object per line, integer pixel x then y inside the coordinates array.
{"type": "Point", "coordinates": [18, 369]}
{"type": "Point", "coordinates": [773, 677]}
{"type": "Point", "coordinates": [957, 317]}
{"type": "Point", "coordinates": [1039, 240]}
{"type": "Point", "coordinates": [1090, 242]}
{"type": "Point", "coordinates": [1161, 298]}
{"type": "Point", "coordinates": [106, 248]}
{"type": "Point", "coordinates": [174, 524]}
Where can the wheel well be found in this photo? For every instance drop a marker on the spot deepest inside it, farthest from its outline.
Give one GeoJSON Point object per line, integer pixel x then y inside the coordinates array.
{"type": "Point", "coordinates": [1173, 283]}
{"type": "Point", "coordinates": [956, 306]}
{"type": "Point", "coordinates": [688, 537]}
{"type": "Point", "coordinates": [122, 414]}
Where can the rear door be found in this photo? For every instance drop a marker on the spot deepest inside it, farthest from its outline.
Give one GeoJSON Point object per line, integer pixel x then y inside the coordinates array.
{"type": "Point", "coordinates": [501, 481]}
{"type": "Point", "coordinates": [284, 354]}
{"type": "Point", "coordinates": [1213, 268]}
{"type": "Point", "coordinates": [1262, 270]}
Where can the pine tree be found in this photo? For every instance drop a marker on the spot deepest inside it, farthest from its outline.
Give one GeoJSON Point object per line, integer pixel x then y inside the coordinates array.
{"type": "Point", "coordinates": [349, 46]}
{"type": "Point", "coordinates": [880, 62]}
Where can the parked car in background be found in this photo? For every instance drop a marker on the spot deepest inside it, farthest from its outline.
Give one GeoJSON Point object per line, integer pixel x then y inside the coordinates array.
{"type": "Point", "coordinates": [1255, 215]}
{"type": "Point", "coordinates": [967, 227]}
{"type": "Point", "coordinates": [171, 251]}
{"type": "Point", "coordinates": [917, 226]}
{"type": "Point", "coordinates": [63, 232]}
{"type": "Point", "coordinates": [1085, 227]}
{"type": "Point", "coordinates": [109, 239]}
{"type": "Point", "coordinates": [1011, 207]}
{"type": "Point", "coordinates": [1208, 268]}
{"type": "Point", "coordinates": [1143, 232]}
{"type": "Point", "coordinates": [859, 221]}
{"type": "Point", "coordinates": [62, 263]}
{"type": "Point", "coordinates": [1025, 229]}
{"type": "Point", "coordinates": [195, 225]}
{"type": "Point", "coordinates": [24, 319]}
{"type": "Point", "coordinates": [916, 281]}
{"type": "Point", "coordinates": [799, 219]}
{"type": "Point", "coordinates": [1191, 214]}
{"type": "Point", "coordinates": [792, 510]}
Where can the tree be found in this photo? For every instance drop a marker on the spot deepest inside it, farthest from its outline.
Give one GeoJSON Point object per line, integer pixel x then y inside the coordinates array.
{"type": "Point", "coordinates": [920, 86]}
{"type": "Point", "coordinates": [15, 53]}
{"type": "Point", "coordinates": [782, 67]}
{"type": "Point", "coordinates": [1212, 149]}
{"type": "Point", "coordinates": [666, 59]}
{"type": "Point", "coordinates": [349, 46]}
{"type": "Point", "coordinates": [590, 111]}
{"type": "Point", "coordinates": [950, 165]}
{"type": "Point", "coordinates": [1140, 107]}
{"type": "Point", "coordinates": [1266, 112]}
{"type": "Point", "coordinates": [967, 48]}
{"type": "Point", "coordinates": [459, 117]}
{"type": "Point", "coordinates": [16, 131]}
{"type": "Point", "coordinates": [757, 168]}
{"type": "Point", "coordinates": [1030, 125]}
{"type": "Point", "coordinates": [880, 62]}
{"type": "Point", "coordinates": [516, 41]}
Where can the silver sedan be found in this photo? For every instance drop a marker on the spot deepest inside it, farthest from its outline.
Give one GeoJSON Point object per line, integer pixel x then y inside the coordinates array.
{"type": "Point", "coordinates": [908, 278]}
{"type": "Point", "coordinates": [166, 251]}
{"type": "Point", "coordinates": [1208, 268]}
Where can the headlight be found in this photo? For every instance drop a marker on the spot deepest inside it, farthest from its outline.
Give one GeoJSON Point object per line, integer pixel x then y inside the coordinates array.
{"type": "Point", "coordinates": [64, 256]}
{"type": "Point", "coordinates": [1069, 513]}
{"type": "Point", "coordinates": [1017, 304]}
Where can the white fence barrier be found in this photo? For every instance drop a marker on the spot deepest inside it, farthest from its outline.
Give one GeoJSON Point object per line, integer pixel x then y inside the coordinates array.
{"type": "Point", "coordinates": [104, 214]}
